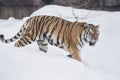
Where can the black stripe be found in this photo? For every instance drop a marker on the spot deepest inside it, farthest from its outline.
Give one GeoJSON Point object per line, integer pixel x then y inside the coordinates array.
{"type": "Point", "coordinates": [43, 44]}
{"type": "Point", "coordinates": [11, 40]}
{"type": "Point", "coordinates": [24, 40]}
{"type": "Point", "coordinates": [81, 38]}
{"type": "Point", "coordinates": [15, 37]}
{"type": "Point", "coordinates": [44, 23]}
{"type": "Point", "coordinates": [60, 32]}
{"type": "Point", "coordinates": [18, 34]}
{"type": "Point", "coordinates": [50, 41]}
{"type": "Point", "coordinates": [28, 34]}
{"type": "Point", "coordinates": [85, 39]}
{"type": "Point", "coordinates": [70, 32]}
{"type": "Point", "coordinates": [40, 40]}
{"type": "Point", "coordinates": [43, 50]}
{"type": "Point", "coordinates": [61, 47]}
{"type": "Point", "coordinates": [37, 27]}
{"type": "Point", "coordinates": [6, 41]}
{"type": "Point", "coordinates": [48, 18]}
{"type": "Point", "coordinates": [38, 23]}
{"type": "Point", "coordinates": [80, 41]}
{"type": "Point", "coordinates": [41, 22]}
{"type": "Point", "coordinates": [20, 43]}
{"type": "Point", "coordinates": [20, 30]}
{"type": "Point", "coordinates": [45, 20]}
{"type": "Point", "coordinates": [67, 30]}
{"type": "Point", "coordinates": [54, 28]}
{"type": "Point", "coordinates": [33, 33]}
{"type": "Point", "coordinates": [55, 44]}
{"type": "Point", "coordinates": [51, 20]}
{"type": "Point", "coordinates": [85, 36]}
{"type": "Point", "coordinates": [64, 34]}
{"type": "Point", "coordinates": [27, 40]}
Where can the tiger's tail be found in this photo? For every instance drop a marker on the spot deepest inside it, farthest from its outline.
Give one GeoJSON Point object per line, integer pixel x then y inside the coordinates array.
{"type": "Point", "coordinates": [17, 36]}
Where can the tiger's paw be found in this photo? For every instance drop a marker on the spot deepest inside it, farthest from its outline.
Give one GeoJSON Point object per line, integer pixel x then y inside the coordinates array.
{"type": "Point", "coordinates": [1, 36]}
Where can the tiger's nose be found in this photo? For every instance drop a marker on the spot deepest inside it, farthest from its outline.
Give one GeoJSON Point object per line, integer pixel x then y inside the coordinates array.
{"type": "Point", "coordinates": [92, 43]}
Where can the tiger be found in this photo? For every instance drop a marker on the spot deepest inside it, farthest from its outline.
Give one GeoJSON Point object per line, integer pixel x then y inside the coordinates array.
{"type": "Point", "coordinates": [67, 35]}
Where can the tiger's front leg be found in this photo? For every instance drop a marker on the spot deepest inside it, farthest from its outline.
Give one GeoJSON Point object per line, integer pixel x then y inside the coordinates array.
{"type": "Point", "coordinates": [75, 55]}
{"type": "Point", "coordinates": [43, 45]}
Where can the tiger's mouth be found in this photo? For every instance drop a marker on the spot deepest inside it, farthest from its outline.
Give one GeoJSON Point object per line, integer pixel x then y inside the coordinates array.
{"type": "Point", "coordinates": [91, 43]}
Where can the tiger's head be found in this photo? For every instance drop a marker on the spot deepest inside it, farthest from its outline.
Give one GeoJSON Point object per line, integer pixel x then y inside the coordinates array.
{"type": "Point", "coordinates": [91, 33]}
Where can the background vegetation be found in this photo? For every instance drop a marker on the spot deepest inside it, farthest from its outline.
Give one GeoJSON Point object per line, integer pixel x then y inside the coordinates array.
{"type": "Point", "coordinates": [22, 8]}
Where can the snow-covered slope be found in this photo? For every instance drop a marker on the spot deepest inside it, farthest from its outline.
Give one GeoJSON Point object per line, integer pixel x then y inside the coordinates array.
{"type": "Point", "coordinates": [101, 62]}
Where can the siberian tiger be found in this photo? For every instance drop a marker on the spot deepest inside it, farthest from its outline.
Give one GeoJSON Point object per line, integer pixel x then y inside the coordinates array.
{"type": "Point", "coordinates": [70, 36]}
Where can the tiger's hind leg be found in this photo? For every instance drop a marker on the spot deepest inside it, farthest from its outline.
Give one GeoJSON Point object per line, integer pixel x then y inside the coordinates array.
{"type": "Point", "coordinates": [23, 41]}
{"type": "Point", "coordinates": [43, 45]}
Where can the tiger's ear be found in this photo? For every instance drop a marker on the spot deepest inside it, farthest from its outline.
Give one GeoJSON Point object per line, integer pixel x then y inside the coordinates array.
{"type": "Point", "coordinates": [86, 26]}
{"type": "Point", "coordinates": [98, 26]}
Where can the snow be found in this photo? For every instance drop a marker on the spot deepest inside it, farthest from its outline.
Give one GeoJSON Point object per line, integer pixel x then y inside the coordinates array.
{"type": "Point", "coordinates": [101, 62]}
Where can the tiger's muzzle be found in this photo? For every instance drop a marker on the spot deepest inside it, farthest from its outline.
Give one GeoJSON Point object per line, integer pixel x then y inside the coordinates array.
{"type": "Point", "coordinates": [91, 43]}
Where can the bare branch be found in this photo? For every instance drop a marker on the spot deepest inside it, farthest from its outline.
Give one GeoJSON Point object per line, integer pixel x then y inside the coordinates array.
{"type": "Point", "coordinates": [76, 17]}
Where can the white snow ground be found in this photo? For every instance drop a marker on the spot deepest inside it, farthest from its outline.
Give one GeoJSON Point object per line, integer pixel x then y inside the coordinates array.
{"type": "Point", "coordinates": [101, 62]}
